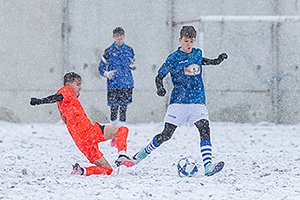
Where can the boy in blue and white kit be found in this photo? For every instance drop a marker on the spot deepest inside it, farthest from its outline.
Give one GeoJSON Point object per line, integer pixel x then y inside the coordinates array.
{"type": "Point", "coordinates": [187, 103]}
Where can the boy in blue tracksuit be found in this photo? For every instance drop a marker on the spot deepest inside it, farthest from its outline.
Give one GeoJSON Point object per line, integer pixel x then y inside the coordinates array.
{"type": "Point", "coordinates": [187, 102]}
{"type": "Point", "coordinates": [116, 65]}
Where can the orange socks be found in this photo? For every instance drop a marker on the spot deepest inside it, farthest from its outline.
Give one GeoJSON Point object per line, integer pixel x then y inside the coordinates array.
{"type": "Point", "coordinates": [98, 170]}
{"type": "Point", "coordinates": [121, 138]}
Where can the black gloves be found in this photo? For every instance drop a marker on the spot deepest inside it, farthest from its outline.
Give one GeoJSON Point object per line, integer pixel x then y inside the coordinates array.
{"type": "Point", "coordinates": [35, 101]}
{"type": "Point", "coordinates": [160, 86]}
{"type": "Point", "coordinates": [161, 92]}
{"type": "Point", "coordinates": [132, 67]}
{"type": "Point", "coordinates": [223, 56]}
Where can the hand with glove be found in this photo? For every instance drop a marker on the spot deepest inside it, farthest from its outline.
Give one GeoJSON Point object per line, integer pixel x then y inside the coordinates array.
{"type": "Point", "coordinates": [161, 92]}
{"type": "Point", "coordinates": [132, 66]}
{"type": "Point", "coordinates": [223, 56]}
{"type": "Point", "coordinates": [35, 101]}
{"type": "Point", "coordinates": [110, 74]}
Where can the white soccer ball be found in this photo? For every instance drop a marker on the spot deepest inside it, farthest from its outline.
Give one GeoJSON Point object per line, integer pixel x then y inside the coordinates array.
{"type": "Point", "coordinates": [187, 167]}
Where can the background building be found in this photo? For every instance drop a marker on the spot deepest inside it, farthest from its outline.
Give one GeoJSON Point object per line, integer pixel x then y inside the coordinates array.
{"type": "Point", "coordinates": [42, 40]}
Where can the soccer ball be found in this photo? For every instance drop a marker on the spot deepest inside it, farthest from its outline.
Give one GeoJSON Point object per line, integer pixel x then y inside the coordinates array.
{"type": "Point", "coordinates": [187, 167]}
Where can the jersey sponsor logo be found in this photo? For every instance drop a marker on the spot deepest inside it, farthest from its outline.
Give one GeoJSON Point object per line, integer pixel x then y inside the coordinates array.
{"type": "Point", "coordinates": [172, 116]}
{"type": "Point", "coordinates": [184, 61]}
{"type": "Point", "coordinates": [192, 70]}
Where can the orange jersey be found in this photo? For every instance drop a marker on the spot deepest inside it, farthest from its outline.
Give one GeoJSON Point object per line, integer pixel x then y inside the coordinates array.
{"type": "Point", "coordinates": [73, 114]}
{"type": "Point", "coordinates": [85, 134]}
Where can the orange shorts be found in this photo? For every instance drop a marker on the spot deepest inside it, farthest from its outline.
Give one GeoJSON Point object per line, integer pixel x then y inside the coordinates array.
{"type": "Point", "coordinates": [89, 145]}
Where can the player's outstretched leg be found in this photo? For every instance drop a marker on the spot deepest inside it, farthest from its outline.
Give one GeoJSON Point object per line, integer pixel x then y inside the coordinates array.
{"type": "Point", "coordinates": [165, 135]}
{"type": "Point", "coordinates": [87, 171]}
{"type": "Point", "coordinates": [129, 162]}
{"type": "Point", "coordinates": [142, 154]}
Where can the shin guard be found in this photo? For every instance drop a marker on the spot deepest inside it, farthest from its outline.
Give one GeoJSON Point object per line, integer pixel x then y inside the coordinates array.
{"type": "Point", "coordinates": [97, 170]}
{"type": "Point", "coordinates": [121, 138]}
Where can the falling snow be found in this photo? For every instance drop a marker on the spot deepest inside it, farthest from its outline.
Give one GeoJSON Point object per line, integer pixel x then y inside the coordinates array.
{"type": "Point", "coordinates": [262, 162]}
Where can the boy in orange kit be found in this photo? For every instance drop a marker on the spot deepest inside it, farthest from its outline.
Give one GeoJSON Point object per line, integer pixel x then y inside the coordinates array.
{"type": "Point", "coordinates": [85, 134]}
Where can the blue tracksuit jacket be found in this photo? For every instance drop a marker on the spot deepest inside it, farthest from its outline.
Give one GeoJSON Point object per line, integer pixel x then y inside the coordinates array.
{"type": "Point", "coordinates": [119, 59]}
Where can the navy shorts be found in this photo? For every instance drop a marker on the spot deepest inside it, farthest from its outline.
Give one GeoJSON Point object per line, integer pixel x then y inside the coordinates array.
{"type": "Point", "coordinates": [119, 96]}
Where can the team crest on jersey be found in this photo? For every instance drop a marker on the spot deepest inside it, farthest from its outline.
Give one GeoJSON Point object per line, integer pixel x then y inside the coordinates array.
{"type": "Point", "coordinates": [192, 70]}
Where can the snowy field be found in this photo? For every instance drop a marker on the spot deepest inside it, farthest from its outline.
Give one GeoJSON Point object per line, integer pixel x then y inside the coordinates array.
{"type": "Point", "coordinates": [262, 162]}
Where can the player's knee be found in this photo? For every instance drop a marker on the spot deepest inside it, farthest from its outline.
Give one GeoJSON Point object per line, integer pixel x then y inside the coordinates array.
{"type": "Point", "coordinates": [203, 128]}
{"type": "Point", "coordinates": [166, 136]}
{"type": "Point", "coordinates": [166, 133]}
{"type": "Point", "coordinates": [163, 137]}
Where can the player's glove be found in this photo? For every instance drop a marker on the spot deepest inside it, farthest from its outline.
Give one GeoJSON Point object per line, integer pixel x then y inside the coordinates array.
{"type": "Point", "coordinates": [110, 74]}
{"type": "Point", "coordinates": [223, 56]}
{"type": "Point", "coordinates": [132, 67]}
{"type": "Point", "coordinates": [132, 64]}
{"type": "Point", "coordinates": [35, 101]}
{"type": "Point", "coordinates": [161, 92]}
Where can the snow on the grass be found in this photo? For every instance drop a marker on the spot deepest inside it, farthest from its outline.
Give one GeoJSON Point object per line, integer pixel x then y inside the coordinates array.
{"type": "Point", "coordinates": [262, 161]}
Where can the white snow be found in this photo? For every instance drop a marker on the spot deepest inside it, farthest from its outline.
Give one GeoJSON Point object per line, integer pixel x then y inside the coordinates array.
{"type": "Point", "coordinates": [262, 161]}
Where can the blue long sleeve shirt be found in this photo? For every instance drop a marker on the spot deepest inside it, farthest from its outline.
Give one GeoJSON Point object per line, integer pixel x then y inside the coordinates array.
{"type": "Point", "coordinates": [186, 75]}
{"type": "Point", "coordinates": [119, 59]}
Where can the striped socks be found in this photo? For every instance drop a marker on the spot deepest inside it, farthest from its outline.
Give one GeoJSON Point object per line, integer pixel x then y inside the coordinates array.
{"type": "Point", "coordinates": [206, 152]}
{"type": "Point", "coordinates": [144, 152]}
{"type": "Point", "coordinates": [152, 146]}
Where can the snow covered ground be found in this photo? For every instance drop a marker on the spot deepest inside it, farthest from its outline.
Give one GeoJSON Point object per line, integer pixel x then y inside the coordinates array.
{"type": "Point", "coordinates": [262, 162]}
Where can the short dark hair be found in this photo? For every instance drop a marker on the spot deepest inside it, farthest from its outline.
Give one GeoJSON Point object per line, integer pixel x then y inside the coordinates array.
{"type": "Point", "coordinates": [71, 77]}
{"type": "Point", "coordinates": [118, 31]}
{"type": "Point", "coordinates": [188, 31]}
